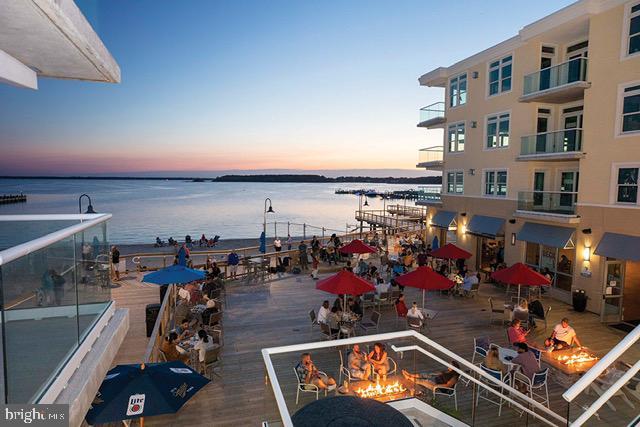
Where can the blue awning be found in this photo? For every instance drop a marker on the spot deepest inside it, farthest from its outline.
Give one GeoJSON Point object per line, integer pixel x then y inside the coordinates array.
{"type": "Point", "coordinates": [549, 235]}
{"type": "Point", "coordinates": [444, 219]}
{"type": "Point", "coordinates": [486, 226]}
{"type": "Point", "coordinates": [619, 246]}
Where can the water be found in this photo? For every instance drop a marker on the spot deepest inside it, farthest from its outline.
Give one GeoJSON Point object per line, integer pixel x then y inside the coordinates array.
{"type": "Point", "coordinates": [144, 209]}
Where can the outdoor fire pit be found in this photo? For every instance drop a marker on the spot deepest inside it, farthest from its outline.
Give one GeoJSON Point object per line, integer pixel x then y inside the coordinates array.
{"type": "Point", "coordinates": [392, 389]}
{"type": "Point", "coordinates": [571, 361]}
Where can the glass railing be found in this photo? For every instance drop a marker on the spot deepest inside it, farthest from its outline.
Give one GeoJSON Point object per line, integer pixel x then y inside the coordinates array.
{"type": "Point", "coordinates": [430, 154]}
{"type": "Point", "coordinates": [562, 141]}
{"type": "Point", "coordinates": [55, 287]}
{"type": "Point", "coordinates": [571, 71]}
{"type": "Point", "coordinates": [429, 196]}
{"type": "Point", "coordinates": [433, 111]}
{"type": "Point", "coordinates": [557, 202]}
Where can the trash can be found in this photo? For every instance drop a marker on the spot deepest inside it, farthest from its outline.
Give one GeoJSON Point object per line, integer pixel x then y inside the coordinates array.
{"type": "Point", "coordinates": [579, 300]}
{"type": "Point", "coordinates": [152, 311]}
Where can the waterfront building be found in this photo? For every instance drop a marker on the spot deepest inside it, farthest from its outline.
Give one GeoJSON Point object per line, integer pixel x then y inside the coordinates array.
{"type": "Point", "coordinates": [541, 153]}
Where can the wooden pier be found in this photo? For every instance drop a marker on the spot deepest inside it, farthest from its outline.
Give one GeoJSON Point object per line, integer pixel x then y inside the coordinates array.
{"type": "Point", "coordinates": [12, 198]}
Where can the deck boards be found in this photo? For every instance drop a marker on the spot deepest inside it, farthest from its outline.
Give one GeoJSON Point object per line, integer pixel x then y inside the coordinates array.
{"type": "Point", "coordinates": [274, 314]}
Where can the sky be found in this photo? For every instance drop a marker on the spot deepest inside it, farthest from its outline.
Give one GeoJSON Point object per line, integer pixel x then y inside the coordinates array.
{"type": "Point", "coordinates": [241, 85]}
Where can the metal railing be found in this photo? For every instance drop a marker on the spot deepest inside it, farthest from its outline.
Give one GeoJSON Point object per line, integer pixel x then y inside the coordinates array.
{"type": "Point", "coordinates": [556, 202]}
{"type": "Point", "coordinates": [433, 111]}
{"type": "Point", "coordinates": [431, 154]}
{"type": "Point", "coordinates": [596, 370]}
{"type": "Point", "coordinates": [572, 71]}
{"type": "Point", "coordinates": [164, 323]}
{"type": "Point", "coordinates": [556, 142]}
{"type": "Point", "coordinates": [410, 211]}
{"type": "Point", "coordinates": [430, 197]}
{"type": "Point", "coordinates": [467, 370]}
{"type": "Point", "coordinates": [380, 218]}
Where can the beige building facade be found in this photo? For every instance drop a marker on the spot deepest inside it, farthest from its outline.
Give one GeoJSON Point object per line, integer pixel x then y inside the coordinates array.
{"type": "Point", "coordinates": [541, 154]}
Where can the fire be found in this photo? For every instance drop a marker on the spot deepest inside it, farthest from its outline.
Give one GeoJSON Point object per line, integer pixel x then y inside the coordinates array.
{"type": "Point", "coordinates": [376, 391]}
{"type": "Point", "coordinates": [581, 357]}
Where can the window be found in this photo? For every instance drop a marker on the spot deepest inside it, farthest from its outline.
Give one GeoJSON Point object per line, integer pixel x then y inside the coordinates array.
{"type": "Point", "coordinates": [495, 183]}
{"type": "Point", "coordinates": [633, 36]}
{"type": "Point", "coordinates": [455, 182]}
{"type": "Point", "coordinates": [500, 76]}
{"type": "Point", "coordinates": [631, 109]}
{"type": "Point", "coordinates": [498, 131]}
{"type": "Point", "coordinates": [455, 138]}
{"type": "Point", "coordinates": [556, 262]}
{"type": "Point", "coordinates": [458, 90]}
{"type": "Point", "coordinates": [627, 185]}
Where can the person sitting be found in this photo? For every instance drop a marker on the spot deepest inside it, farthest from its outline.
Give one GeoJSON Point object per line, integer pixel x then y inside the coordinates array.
{"type": "Point", "coordinates": [563, 336]}
{"type": "Point", "coordinates": [309, 374]}
{"type": "Point", "coordinates": [526, 359]}
{"type": "Point", "coordinates": [172, 242]}
{"type": "Point", "coordinates": [203, 240]}
{"type": "Point", "coordinates": [492, 361]}
{"type": "Point", "coordinates": [205, 343]}
{"type": "Point", "coordinates": [323, 313]}
{"type": "Point", "coordinates": [401, 307]}
{"type": "Point", "coordinates": [170, 350]}
{"type": "Point", "coordinates": [353, 306]}
{"type": "Point", "coordinates": [159, 243]}
{"type": "Point", "coordinates": [182, 311]}
{"type": "Point", "coordinates": [381, 286]}
{"type": "Point", "coordinates": [416, 313]}
{"type": "Point", "coordinates": [362, 267]}
{"type": "Point", "coordinates": [447, 378]}
{"type": "Point", "coordinates": [207, 312]}
{"type": "Point", "coordinates": [184, 329]}
{"type": "Point", "coordinates": [215, 270]}
{"type": "Point", "coordinates": [472, 278]}
{"type": "Point", "coordinates": [334, 319]}
{"type": "Point", "coordinates": [357, 363]}
{"type": "Point", "coordinates": [379, 360]}
{"type": "Point", "coordinates": [516, 333]}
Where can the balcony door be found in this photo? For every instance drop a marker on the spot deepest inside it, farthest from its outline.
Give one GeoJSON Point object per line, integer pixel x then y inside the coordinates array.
{"type": "Point", "coordinates": [547, 60]}
{"type": "Point", "coordinates": [575, 69]}
{"type": "Point", "coordinates": [568, 184]}
{"type": "Point", "coordinates": [613, 290]}
{"type": "Point", "coordinates": [538, 189]}
{"type": "Point", "coordinates": [543, 126]}
{"type": "Point", "coordinates": [572, 118]}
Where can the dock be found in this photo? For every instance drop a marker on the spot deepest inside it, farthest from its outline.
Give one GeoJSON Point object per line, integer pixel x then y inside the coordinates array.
{"type": "Point", "coordinates": [5, 199]}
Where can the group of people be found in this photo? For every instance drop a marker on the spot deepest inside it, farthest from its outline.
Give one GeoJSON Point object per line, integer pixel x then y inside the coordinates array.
{"type": "Point", "coordinates": [333, 316]}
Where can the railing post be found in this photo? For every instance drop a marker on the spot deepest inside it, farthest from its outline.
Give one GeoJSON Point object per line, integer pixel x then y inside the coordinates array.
{"type": "Point", "coordinates": [304, 230]}
{"type": "Point", "coordinates": [275, 228]}
{"type": "Point", "coordinates": [288, 228]}
{"type": "Point", "coordinates": [322, 232]}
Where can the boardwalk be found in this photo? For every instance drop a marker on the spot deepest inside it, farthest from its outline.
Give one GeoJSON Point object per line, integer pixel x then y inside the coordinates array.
{"type": "Point", "coordinates": [259, 316]}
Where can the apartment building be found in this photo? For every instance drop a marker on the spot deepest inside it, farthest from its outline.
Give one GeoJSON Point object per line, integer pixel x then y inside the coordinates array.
{"type": "Point", "coordinates": [541, 153]}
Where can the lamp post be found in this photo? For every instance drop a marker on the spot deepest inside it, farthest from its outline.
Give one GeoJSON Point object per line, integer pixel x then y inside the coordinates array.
{"type": "Point", "coordinates": [89, 208]}
{"type": "Point", "coordinates": [264, 222]}
{"type": "Point", "coordinates": [360, 196]}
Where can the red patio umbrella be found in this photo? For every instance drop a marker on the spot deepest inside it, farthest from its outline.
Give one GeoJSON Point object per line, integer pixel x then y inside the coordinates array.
{"type": "Point", "coordinates": [426, 279]}
{"type": "Point", "coordinates": [451, 251]}
{"type": "Point", "coordinates": [345, 283]}
{"type": "Point", "coordinates": [520, 274]}
{"type": "Point", "coordinates": [357, 247]}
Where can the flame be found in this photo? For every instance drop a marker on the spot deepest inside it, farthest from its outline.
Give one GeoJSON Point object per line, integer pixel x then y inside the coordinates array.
{"type": "Point", "coordinates": [380, 391]}
{"type": "Point", "coordinates": [581, 357]}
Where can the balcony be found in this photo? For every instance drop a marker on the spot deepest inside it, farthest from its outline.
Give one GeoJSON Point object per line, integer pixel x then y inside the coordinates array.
{"type": "Point", "coordinates": [559, 84]}
{"type": "Point", "coordinates": [431, 158]}
{"type": "Point", "coordinates": [559, 145]}
{"type": "Point", "coordinates": [432, 116]}
{"type": "Point", "coordinates": [559, 206]}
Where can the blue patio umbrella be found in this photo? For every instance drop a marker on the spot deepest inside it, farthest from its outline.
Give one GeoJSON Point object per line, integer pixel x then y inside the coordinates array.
{"type": "Point", "coordinates": [174, 274]}
{"type": "Point", "coordinates": [263, 243]}
{"type": "Point", "coordinates": [435, 244]}
{"type": "Point", "coordinates": [135, 391]}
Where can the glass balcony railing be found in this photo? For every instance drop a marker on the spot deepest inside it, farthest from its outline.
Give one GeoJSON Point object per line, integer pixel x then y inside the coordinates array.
{"type": "Point", "coordinates": [571, 71]}
{"type": "Point", "coordinates": [431, 155]}
{"type": "Point", "coordinates": [433, 112]}
{"type": "Point", "coordinates": [556, 202]}
{"type": "Point", "coordinates": [55, 287]}
{"type": "Point", "coordinates": [558, 142]}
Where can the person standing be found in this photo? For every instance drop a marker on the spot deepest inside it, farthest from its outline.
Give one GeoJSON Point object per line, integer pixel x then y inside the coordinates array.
{"type": "Point", "coordinates": [233, 260]}
{"type": "Point", "coordinates": [115, 262]}
{"type": "Point", "coordinates": [289, 242]}
{"type": "Point", "coordinates": [304, 260]}
{"type": "Point", "coordinates": [277, 244]}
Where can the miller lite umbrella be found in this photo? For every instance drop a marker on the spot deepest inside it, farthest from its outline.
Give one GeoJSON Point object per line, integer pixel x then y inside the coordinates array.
{"type": "Point", "coordinates": [137, 391]}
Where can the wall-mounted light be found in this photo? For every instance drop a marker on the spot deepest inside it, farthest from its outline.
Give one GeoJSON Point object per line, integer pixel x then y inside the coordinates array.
{"type": "Point", "coordinates": [513, 239]}
{"type": "Point", "coordinates": [463, 228]}
{"type": "Point", "coordinates": [586, 253]}
{"type": "Point", "coordinates": [463, 214]}
{"type": "Point", "coordinates": [472, 171]}
{"type": "Point", "coordinates": [474, 124]}
{"type": "Point", "coordinates": [586, 231]}
{"type": "Point", "coordinates": [474, 75]}
{"type": "Point", "coordinates": [512, 221]}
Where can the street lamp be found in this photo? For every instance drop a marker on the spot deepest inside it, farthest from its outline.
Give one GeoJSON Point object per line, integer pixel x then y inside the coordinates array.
{"type": "Point", "coordinates": [264, 222]}
{"type": "Point", "coordinates": [89, 208]}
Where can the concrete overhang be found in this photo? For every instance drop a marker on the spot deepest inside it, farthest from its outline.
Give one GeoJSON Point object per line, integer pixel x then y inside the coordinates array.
{"type": "Point", "coordinates": [52, 38]}
{"type": "Point", "coordinates": [434, 78]}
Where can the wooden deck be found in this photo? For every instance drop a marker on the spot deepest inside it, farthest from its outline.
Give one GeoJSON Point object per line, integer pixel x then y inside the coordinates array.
{"type": "Point", "coordinates": [274, 314]}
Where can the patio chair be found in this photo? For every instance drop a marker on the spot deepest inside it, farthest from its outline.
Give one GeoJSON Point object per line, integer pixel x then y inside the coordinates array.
{"type": "Point", "coordinates": [368, 300]}
{"type": "Point", "coordinates": [484, 394]}
{"type": "Point", "coordinates": [495, 311]}
{"type": "Point", "coordinates": [393, 367]}
{"type": "Point", "coordinates": [471, 293]}
{"type": "Point", "coordinates": [326, 333]}
{"type": "Point", "coordinates": [394, 295]}
{"type": "Point", "coordinates": [523, 317]}
{"type": "Point", "coordinates": [212, 361]}
{"type": "Point", "coordinates": [344, 369]}
{"type": "Point", "coordinates": [536, 387]}
{"type": "Point", "coordinates": [314, 319]}
{"type": "Point", "coordinates": [382, 299]}
{"type": "Point", "coordinates": [306, 388]}
{"type": "Point", "coordinates": [398, 316]}
{"type": "Point", "coordinates": [215, 319]}
{"type": "Point", "coordinates": [415, 323]}
{"type": "Point", "coordinates": [481, 347]}
{"type": "Point", "coordinates": [538, 354]}
{"type": "Point", "coordinates": [372, 323]}
{"type": "Point", "coordinates": [544, 319]}
{"type": "Point", "coordinates": [443, 390]}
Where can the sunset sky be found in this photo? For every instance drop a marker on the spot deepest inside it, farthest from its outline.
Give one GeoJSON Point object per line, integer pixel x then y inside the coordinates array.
{"type": "Point", "coordinates": [210, 85]}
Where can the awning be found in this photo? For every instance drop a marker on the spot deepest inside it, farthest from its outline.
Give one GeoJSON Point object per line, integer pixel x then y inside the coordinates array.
{"type": "Point", "coordinates": [486, 226]}
{"type": "Point", "coordinates": [549, 235]}
{"type": "Point", "coordinates": [444, 219]}
{"type": "Point", "coordinates": [620, 246]}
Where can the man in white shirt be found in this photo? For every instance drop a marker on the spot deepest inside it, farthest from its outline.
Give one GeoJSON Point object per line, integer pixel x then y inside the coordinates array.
{"type": "Point", "coordinates": [323, 313]}
{"type": "Point", "coordinates": [469, 280]}
{"type": "Point", "coordinates": [563, 335]}
{"type": "Point", "coordinates": [277, 244]}
{"type": "Point", "coordinates": [415, 313]}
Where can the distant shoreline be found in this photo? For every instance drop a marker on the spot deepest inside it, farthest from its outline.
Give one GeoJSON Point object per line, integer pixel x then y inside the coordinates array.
{"type": "Point", "coordinates": [267, 178]}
